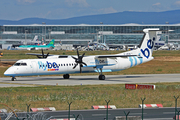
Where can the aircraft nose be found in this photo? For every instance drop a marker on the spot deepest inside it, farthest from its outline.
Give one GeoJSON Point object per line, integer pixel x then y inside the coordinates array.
{"type": "Point", "coordinates": [9, 72]}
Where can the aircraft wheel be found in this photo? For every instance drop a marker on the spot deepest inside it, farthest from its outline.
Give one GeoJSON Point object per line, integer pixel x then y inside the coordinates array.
{"type": "Point", "coordinates": [102, 77]}
{"type": "Point", "coordinates": [66, 76]}
{"type": "Point", "coordinates": [13, 78]}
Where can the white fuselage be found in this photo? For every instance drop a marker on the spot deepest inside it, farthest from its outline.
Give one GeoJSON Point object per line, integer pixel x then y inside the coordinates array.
{"type": "Point", "coordinates": [29, 67]}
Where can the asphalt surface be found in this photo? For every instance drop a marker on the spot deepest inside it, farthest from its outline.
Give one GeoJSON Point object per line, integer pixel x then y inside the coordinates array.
{"type": "Point", "coordinates": [88, 80]}
{"type": "Point", "coordinates": [148, 114]}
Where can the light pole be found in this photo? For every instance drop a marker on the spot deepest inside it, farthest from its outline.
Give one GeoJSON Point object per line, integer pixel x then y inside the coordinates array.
{"type": "Point", "coordinates": [142, 106]}
{"type": "Point", "coordinates": [126, 114]}
{"type": "Point", "coordinates": [49, 33]}
{"type": "Point", "coordinates": [28, 105]}
{"type": "Point", "coordinates": [167, 31]}
{"type": "Point", "coordinates": [97, 40]}
{"type": "Point", "coordinates": [44, 34]}
{"type": "Point", "coordinates": [25, 37]}
{"type": "Point", "coordinates": [102, 30]}
{"type": "Point", "coordinates": [107, 109]}
{"type": "Point", "coordinates": [69, 110]}
{"type": "Point", "coordinates": [176, 105]}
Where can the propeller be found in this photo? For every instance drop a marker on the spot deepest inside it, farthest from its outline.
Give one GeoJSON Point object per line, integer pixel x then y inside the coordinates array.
{"type": "Point", "coordinates": [79, 61]}
{"type": "Point", "coordinates": [43, 56]}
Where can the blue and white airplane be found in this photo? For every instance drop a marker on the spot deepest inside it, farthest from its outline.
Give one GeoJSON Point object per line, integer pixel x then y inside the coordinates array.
{"type": "Point", "coordinates": [50, 65]}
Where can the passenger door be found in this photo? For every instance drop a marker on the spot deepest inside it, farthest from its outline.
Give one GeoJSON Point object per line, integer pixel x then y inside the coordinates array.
{"type": "Point", "coordinates": [34, 67]}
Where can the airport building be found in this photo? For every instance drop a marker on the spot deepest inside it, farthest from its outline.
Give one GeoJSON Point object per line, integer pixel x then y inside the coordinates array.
{"type": "Point", "coordinates": [83, 33]}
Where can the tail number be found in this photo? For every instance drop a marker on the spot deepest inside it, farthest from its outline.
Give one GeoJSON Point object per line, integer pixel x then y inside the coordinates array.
{"type": "Point", "coordinates": [102, 61]}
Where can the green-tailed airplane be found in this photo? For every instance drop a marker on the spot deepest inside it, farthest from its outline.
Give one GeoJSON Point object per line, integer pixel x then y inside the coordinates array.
{"type": "Point", "coordinates": [36, 47]}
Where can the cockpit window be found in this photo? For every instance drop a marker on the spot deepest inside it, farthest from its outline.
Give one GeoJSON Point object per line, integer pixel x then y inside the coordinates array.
{"type": "Point", "coordinates": [23, 64]}
{"type": "Point", "coordinates": [20, 64]}
{"type": "Point", "coordinates": [17, 64]}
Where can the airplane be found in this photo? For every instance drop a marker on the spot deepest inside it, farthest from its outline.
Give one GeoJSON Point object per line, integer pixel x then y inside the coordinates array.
{"type": "Point", "coordinates": [57, 64]}
{"type": "Point", "coordinates": [35, 41]}
{"type": "Point", "coordinates": [36, 47]}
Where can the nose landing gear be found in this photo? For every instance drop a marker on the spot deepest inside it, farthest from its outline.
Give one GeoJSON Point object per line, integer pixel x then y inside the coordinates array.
{"type": "Point", "coordinates": [13, 78]}
{"type": "Point", "coordinates": [66, 76]}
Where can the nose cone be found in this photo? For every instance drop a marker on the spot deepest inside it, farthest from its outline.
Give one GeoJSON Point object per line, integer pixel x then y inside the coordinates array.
{"type": "Point", "coordinates": [9, 72]}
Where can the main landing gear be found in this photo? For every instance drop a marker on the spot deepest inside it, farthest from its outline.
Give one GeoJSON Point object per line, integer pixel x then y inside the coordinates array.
{"type": "Point", "coordinates": [66, 76]}
{"type": "Point", "coordinates": [101, 76]}
{"type": "Point", "coordinates": [13, 78]}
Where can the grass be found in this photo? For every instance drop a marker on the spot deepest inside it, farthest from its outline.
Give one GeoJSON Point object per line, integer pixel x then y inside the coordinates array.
{"type": "Point", "coordinates": [83, 97]}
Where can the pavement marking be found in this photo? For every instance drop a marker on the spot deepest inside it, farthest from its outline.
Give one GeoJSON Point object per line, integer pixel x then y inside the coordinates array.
{"type": "Point", "coordinates": [100, 114]}
{"type": "Point", "coordinates": [168, 112]}
{"type": "Point", "coordinates": [136, 113]}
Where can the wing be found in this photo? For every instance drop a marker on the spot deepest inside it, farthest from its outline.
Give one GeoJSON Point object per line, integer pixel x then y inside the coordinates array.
{"type": "Point", "coordinates": [114, 56]}
{"type": "Point", "coordinates": [37, 54]}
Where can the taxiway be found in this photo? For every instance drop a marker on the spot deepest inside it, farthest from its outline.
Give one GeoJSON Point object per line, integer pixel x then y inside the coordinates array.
{"type": "Point", "coordinates": [88, 80]}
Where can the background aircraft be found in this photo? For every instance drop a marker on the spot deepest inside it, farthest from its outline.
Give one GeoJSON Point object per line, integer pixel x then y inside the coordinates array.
{"type": "Point", "coordinates": [66, 65]}
{"type": "Point", "coordinates": [37, 47]}
{"type": "Point", "coordinates": [35, 41]}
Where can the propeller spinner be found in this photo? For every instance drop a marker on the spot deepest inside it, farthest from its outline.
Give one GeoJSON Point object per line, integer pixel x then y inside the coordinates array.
{"type": "Point", "coordinates": [79, 61]}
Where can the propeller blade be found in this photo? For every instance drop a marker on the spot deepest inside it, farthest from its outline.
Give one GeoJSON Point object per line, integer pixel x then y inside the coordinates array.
{"type": "Point", "coordinates": [78, 53]}
{"type": "Point", "coordinates": [79, 61]}
{"type": "Point", "coordinates": [75, 66]}
{"type": "Point", "coordinates": [84, 63]}
{"type": "Point", "coordinates": [42, 53]}
{"type": "Point", "coordinates": [83, 55]}
{"type": "Point", "coordinates": [39, 57]}
{"type": "Point", "coordinates": [80, 68]}
{"type": "Point", "coordinates": [47, 55]}
{"type": "Point", "coordinates": [74, 57]}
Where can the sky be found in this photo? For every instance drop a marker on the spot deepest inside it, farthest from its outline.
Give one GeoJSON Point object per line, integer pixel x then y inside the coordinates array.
{"type": "Point", "coordinates": [62, 9]}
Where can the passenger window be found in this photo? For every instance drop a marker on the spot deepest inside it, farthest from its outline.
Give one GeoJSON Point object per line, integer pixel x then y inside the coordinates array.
{"type": "Point", "coordinates": [67, 64]}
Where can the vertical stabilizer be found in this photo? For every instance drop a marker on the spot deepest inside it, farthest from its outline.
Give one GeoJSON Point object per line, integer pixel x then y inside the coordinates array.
{"type": "Point", "coordinates": [51, 43]}
{"type": "Point", "coordinates": [35, 38]}
{"type": "Point", "coordinates": [147, 44]}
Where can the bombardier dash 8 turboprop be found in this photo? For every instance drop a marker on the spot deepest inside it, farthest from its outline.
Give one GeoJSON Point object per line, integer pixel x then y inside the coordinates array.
{"type": "Point", "coordinates": [66, 65]}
